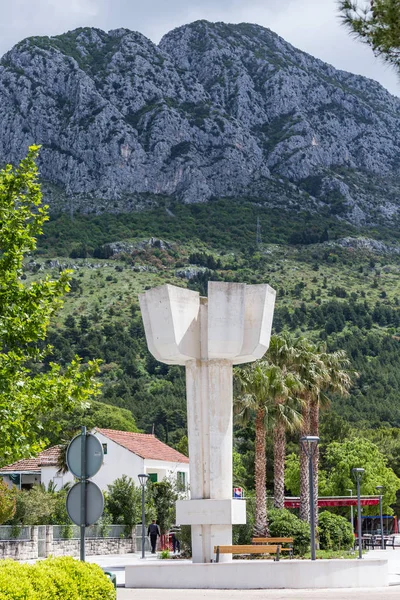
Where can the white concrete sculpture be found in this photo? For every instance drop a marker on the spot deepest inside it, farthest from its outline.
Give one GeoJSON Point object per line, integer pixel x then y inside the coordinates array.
{"type": "Point", "coordinates": [208, 336]}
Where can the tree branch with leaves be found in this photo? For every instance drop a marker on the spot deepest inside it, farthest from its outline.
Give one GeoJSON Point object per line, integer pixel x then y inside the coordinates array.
{"type": "Point", "coordinates": [27, 390]}
{"type": "Point", "coordinates": [376, 23]}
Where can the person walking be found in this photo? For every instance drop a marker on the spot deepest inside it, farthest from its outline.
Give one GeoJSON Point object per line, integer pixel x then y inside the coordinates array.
{"type": "Point", "coordinates": [175, 534]}
{"type": "Point", "coordinates": [154, 532]}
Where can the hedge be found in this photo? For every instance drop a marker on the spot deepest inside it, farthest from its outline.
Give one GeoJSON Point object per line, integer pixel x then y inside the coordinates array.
{"type": "Point", "coordinates": [61, 578]}
{"type": "Point", "coordinates": [335, 532]}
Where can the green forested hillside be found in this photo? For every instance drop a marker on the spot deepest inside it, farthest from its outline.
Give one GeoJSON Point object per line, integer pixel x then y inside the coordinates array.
{"type": "Point", "coordinates": [343, 292]}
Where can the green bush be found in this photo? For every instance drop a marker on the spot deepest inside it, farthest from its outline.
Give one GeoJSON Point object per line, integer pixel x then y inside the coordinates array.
{"type": "Point", "coordinates": [283, 523]}
{"type": "Point", "coordinates": [335, 532]}
{"type": "Point", "coordinates": [53, 579]}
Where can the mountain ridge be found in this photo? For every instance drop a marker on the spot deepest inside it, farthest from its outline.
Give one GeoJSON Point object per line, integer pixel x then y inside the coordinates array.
{"type": "Point", "coordinates": [215, 110]}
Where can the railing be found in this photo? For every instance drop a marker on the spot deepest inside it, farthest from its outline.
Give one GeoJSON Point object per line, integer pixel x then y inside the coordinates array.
{"type": "Point", "coordinates": [72, 532]}
{"type": "Point", "coordinates": [147, 546]}
{"type": "Point", "coordinates": [15, 532]}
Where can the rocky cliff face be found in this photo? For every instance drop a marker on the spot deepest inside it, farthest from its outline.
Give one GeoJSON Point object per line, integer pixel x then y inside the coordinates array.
{"type": "Point", "coordinates": [214, 110]}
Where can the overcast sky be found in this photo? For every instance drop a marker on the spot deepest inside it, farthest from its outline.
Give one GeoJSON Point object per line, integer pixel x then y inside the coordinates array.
{"type": "Point", "coordinates": [311, 25]}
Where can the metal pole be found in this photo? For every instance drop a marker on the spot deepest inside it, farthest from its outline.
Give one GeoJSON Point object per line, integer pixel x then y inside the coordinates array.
{"type": "Point", "coordinates": [143, 524]}
{"type": "Point", "coordinates": [83, 493]}
{"type": "Point", "coordinates": [351, 512]}
{"type": "Point", "coordinates": [312, 507]}
{"type": "Point", "coordinates": [381, 514]}
{"type": "Point", "coordinates": [359, 519]}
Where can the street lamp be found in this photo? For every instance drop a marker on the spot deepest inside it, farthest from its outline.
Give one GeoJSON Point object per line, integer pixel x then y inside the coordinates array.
{"type": "Point", "coordinates": [358, 474]}
{"type": "Point", "coordinates": [309, 444]}
{"type": "Point", "coordinates": [143, 478]}
{"type": "Point", "coordinates": [380, 489]}
{"type": "Point", "coordinates": [351, 510]}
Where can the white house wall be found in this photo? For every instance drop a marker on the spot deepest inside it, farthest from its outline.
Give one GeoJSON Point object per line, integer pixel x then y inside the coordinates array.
{"type": "Point", "coordinates": [165, 469]}
{"type": "Point", "coordinates": [117, 462]}
{"type": "Point", "coordinates": [49, 474]}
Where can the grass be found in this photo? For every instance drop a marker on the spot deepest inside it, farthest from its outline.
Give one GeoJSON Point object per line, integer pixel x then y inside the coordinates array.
{"type": "Point", "coordinates": [330, 554]}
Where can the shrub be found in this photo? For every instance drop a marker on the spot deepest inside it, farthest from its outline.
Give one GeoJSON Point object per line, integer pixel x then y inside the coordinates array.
{"type": "Point", "coordinates": [335, 532]}
{"type": "Point", "coordinates": [7, 502]}
{"type": "Point", "coordinates": [283, 523]}
{"type": "Point", "coordinates": [52, 579]}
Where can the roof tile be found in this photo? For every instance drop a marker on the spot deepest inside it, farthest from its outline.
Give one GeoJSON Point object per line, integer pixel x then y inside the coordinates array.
{"type": "Point", "coordinates": [144, 445]}
{"type": "Point", "coordinates": [47, 458]}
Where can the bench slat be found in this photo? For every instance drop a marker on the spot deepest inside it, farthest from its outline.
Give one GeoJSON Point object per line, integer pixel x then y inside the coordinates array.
{"type": "Point", "coordinates": [246, 549]}
{"type": "Point", "coordinates": [272, 540]}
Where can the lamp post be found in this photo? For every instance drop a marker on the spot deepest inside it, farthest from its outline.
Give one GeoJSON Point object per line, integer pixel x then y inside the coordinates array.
{"type": "Point", "coordinates": [380, 489]}
{"type": "Point", "coordinates": [358, 474]}
{"type": "Point", "coordinates": [309, 444]}
{"type": "Point", "coordinates": [143, 478]}
{"type": "Point", "coordinates": [351, 510]}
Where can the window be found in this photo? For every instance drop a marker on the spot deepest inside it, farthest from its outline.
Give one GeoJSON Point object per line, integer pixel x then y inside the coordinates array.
{"type": "Point", "coordinates": [153, 477]}
{"type": "Point", "coordinates": [181, 480]}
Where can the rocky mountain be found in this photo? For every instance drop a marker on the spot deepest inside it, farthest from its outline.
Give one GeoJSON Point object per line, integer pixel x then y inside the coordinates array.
{"type": "Point", "coordinates": [215, 110]}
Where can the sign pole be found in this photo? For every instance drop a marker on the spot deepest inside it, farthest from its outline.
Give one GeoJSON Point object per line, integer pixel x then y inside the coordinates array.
{"type": "Point", "coordinates": [83, 493]}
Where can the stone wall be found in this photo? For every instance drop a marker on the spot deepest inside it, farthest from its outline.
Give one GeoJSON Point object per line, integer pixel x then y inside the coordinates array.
{"type": "Point", "coordinates": [93, 546]}
{"type": "Point", "coordinates": [28, 550]}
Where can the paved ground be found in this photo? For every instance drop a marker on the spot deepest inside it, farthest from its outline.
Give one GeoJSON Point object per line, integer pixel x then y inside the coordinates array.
{"type": "Point", "coordinates": [351, 594]}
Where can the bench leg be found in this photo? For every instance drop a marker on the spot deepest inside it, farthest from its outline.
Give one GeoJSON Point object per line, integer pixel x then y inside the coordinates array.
{"type": "Point", "coordinates": [217, 558]}
{"type": "Point", "coordinates": [278, 551]}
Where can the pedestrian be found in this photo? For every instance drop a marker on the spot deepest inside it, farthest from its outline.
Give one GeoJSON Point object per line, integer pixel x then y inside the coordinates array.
{"type": "Point", "coordinates": [175, 534]}
{"type": "Point", "coordinates": [154, 532]}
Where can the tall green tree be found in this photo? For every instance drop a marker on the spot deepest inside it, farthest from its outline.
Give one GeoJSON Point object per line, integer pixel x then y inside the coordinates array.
{"type": "Point", "coordinates": [287, 403]}
{"type": "Point", "coordinates": [264, 389]}
{"type": "Point", "coordinates": [320, 373]}
{"type": "Point", "coordinates": [377, 23]}
{"type": "Point", "coordinates": [26, 393]}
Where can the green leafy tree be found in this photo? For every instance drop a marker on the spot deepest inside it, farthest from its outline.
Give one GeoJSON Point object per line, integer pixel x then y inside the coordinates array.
{"type": "Point", "coordinates": [377, 23]}
{"type": "Point", "coordinates": [123, 503]}
{"type": "Point", "coordinates": [25, 312]}
{"type": "Point", "coordinates": [36, 506]}
{"type": "Point", "coordinates": [336, 478]}
{"type": "Point", "coordinates": [164, 496]}
{"type": "Point", "coordinates": [7, 502]}
{"type": "Point", "coordinates": [341, 458]}
{"type": "Point", "coordinates": [239, 472]}
{"type": "Point", "coordinates": [91, 414]}
{"type": "Point", "coordinates": [264, 391]}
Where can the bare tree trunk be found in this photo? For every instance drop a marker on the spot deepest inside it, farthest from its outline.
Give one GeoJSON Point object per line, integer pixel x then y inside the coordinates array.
{"type": "Point", "coordinates": [261, 528]}
{"type": "Point", "coordinates": [279, 464]}
{"type": "Point", "coordinates": [314, 430]}
{"type": "Point", "coordinates": [304, 477]}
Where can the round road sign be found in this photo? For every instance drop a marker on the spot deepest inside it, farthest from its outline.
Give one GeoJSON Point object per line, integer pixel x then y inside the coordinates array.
{"type": "Point", "coordinates": [94, 503]}
{"type": "Point", "coordinates": [94, 455]}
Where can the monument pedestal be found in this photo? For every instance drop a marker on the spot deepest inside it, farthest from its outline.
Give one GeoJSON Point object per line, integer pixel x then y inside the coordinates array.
{"type": "Point", "coordinates": [260, 574]}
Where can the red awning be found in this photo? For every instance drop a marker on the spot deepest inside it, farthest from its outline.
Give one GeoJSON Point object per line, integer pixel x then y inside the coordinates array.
{"type": "Point", "coordinates": [335, 501]}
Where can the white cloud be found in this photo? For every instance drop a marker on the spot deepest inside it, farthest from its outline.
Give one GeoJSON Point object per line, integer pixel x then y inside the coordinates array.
{"type": "Point", "coordinates": [312, 25]}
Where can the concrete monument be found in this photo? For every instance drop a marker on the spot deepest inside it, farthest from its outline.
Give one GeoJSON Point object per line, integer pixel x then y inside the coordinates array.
{"type": "Point", "coordinates": [209, 335]}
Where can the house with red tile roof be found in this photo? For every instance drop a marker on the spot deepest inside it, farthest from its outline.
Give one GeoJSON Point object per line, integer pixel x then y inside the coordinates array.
{"type": "Point", "coordinates": [42, 469]}
{"type": "Point", "coordinates": [125, 453]}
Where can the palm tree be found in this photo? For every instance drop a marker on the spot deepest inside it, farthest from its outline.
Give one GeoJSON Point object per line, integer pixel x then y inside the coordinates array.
{"type": "Point", "coordinates": [264, 390]}
{"type": "Point", "coordinates": [312, 374]}
{"type": "Point", "coordinates": [320, 372]}
{"type": "Point", "coordinates": [336, 378]}
{"type": "Point", "coordinates": [282, 353]}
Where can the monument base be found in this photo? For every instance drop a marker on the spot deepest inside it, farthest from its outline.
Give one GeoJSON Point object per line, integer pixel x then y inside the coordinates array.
{"type": "Point", "coordinates": [260, 574]}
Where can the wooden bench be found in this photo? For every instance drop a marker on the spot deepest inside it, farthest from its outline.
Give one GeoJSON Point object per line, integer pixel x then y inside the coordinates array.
{"type": "Point", "coordinates": [277, 540]}
{"type": "Point", "coordinates": [262, 549]}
